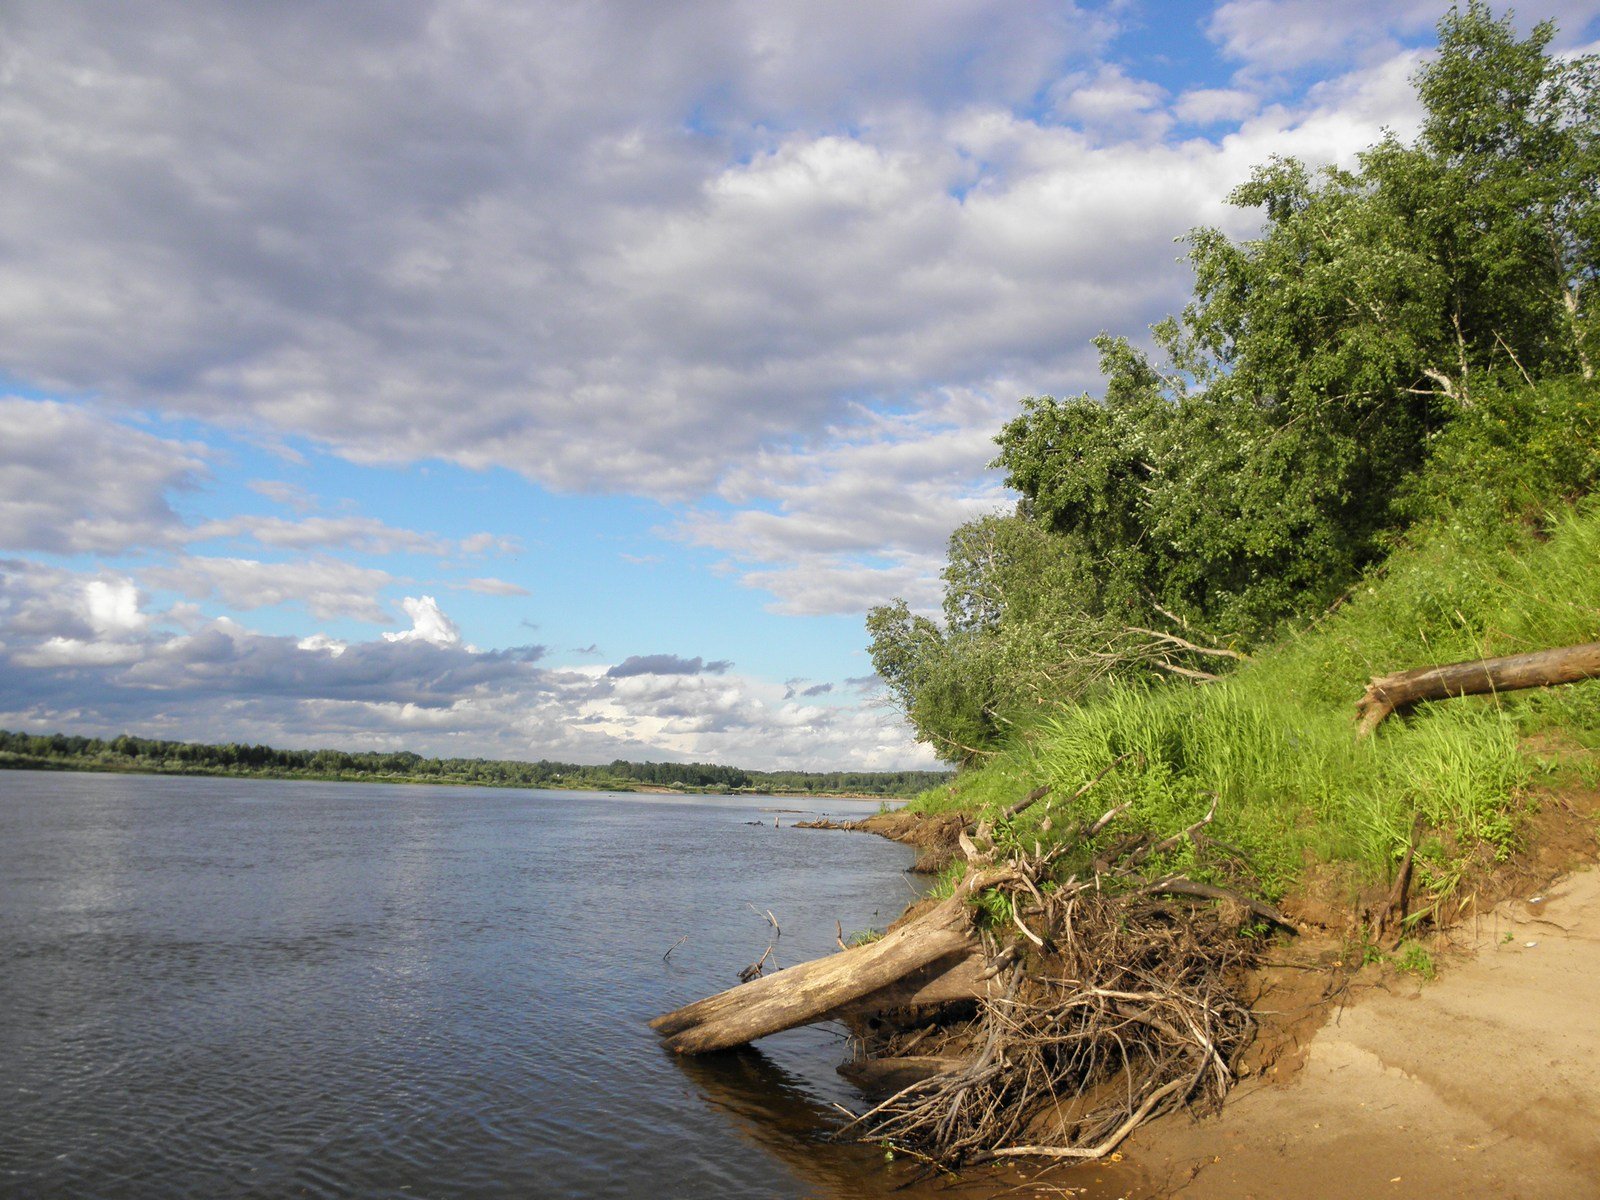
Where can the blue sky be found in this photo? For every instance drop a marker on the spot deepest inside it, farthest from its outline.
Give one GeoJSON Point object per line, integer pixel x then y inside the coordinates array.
{"type": "Point", "coordinates": [540, 380]}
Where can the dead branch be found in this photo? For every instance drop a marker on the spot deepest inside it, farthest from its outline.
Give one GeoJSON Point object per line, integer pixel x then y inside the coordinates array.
{"type": "Point", "coordinates": [1162, 664]}
{"type": "Point", "coordinates": [1043, 790]}
{"type": "Point", "coordinates": [1391, 918]}
{"type": "Point", "coordinates": [1112, 1141]}
{"type": "Point", "coordinates": [1178, 886]}
{"type": "Point", "coordinates": [1185, 644]}
{"type": "Point", "coordinates": [1387, 694]}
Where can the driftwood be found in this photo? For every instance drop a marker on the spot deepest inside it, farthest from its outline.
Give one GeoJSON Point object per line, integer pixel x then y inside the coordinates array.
{"type": "Point", "coordinates": [1542, 668]}
{"type": "Point", "coordinates": [946, 981]}
{"type": "Point", "coordinates": [816, 990]}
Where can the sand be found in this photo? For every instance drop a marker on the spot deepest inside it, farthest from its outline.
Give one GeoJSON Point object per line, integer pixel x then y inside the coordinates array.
{"type": "Point", "coordinates": [1484, 1082]}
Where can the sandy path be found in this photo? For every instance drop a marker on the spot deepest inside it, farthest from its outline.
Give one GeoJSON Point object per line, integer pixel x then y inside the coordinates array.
{"type": "Point", "coordinates": [1485, 1082]}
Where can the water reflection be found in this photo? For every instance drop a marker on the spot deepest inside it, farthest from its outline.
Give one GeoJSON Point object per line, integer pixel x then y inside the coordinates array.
{"type": "Point", "coordinates": [780, 1112]}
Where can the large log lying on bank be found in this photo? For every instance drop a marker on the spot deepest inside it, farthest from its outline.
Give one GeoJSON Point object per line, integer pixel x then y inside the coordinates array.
{"type": "Point", "coordinates": [894, 965]}
{"type": "Point", "coordinates": [1542, 668]}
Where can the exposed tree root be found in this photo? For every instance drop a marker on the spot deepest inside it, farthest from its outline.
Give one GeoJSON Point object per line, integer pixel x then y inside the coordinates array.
{"type": "Point", "coordinates": [1129, 1013]}
{"type": "Point", "coordinates": [1105, 1007]}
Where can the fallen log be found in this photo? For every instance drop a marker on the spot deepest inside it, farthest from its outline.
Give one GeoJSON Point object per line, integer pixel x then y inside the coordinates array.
{"type": "Point", "coordinates": [1542, 668]}
{"type": "Point", "coordinates": [944, 981]}
{"type": "Point", "coordinates": [818, 989]}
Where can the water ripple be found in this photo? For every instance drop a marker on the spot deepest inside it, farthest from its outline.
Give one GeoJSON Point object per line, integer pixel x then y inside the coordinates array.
{"type": "Point", "coordinates": [250, 989]}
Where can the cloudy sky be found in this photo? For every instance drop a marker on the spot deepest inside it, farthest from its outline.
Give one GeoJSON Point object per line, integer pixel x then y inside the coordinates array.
{"type": "Point", "coordinates": [566, 380]}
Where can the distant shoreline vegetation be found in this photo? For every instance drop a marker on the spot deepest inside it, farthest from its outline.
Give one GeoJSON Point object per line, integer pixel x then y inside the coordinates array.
{"type": "Point", "coordinates": [148, 756]}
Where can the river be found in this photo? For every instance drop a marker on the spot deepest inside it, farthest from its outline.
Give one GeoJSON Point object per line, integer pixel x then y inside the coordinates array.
{"type": "Point", "coordinates": [215, 987]}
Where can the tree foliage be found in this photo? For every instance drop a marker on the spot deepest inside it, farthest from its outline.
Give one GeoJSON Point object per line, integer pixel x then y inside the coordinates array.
{"type": "Point", "coordinates": [1303, 407]}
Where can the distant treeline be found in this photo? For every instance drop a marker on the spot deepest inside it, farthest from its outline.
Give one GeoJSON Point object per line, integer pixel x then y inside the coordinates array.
{"type": "Point", "coordinates": [127, 753]}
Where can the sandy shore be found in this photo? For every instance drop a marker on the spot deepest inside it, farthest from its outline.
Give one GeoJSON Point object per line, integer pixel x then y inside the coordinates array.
{"type": "Point", "coordinates": [1483, 1082]}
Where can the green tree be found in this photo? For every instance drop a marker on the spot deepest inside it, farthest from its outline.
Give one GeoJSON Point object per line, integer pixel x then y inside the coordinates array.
{"type": "Point", "coordinates": [1254, 473]}
{"type": "Point", "coordinates": [1433, 305]}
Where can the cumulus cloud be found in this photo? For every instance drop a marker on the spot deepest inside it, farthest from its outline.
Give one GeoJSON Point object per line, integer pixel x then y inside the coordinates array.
{"type": "Point", "coordinates": [837, 527]}
{"type": "Point", "coordinates": [430, 255]}
{"type": "Point", "coordinates": [1112, 102]}
{"type": "Point", "coordinates": [1279, 35]}
{"type": "Point", "coordinates": [1274, 36]}
{"type": "Point", "coordinates": [428, 623]}
{"type": "Point", "coordinates": [1207, 106]}
{"type": "Point", "coordinates": [218, 680]}
{"type": "Point", "coordinates": [616, 246]}
{"type": "Point", "coordinates": [72, 482]}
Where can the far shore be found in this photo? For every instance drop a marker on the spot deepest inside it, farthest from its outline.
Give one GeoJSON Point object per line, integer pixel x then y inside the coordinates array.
{"type": "Point", "coordinates": [20, 762]}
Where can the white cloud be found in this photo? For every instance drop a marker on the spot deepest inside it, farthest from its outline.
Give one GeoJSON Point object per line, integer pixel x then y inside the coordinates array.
{"type": "Point", "coordinates": [1111, 102]}
{"type": "Point", "coordinates": [290, 495]}
{"type": "Point", "coordinates": [1272, 37]}
{"type": "Point", "coordinates": [352, 533]}
{"type": "Point", "coordinates": [428, 623]}
{"type": "Point", "coordinates": [864, 515]}
{"type": "Point", "coordinates": [72, 482]}
{"type": "Point", "coordinates": [71, 652]}
{"type": "Point", "coordinates": [429, 255]}
{"type": "Point", "coordinates": [113, 606]}
{"type": "Point", "coordinates": [220, 681]}
{"type": "Point", "coordinates": [1280, 35]}
{"type": "Point", "coordinates": [490, 543]}
{"type": "Point", "coordinates": [1207, 106]}
{"type": "Point", "coordinates": [325, 587]}
{"type": "Point", "coordinates": [324, 643]}
{"type": "Point", "coordinates": [618, 248]}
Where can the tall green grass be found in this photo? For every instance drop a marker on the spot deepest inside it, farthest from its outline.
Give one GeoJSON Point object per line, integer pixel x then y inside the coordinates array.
{"type": "Point", "coordinates": [1273, 744]}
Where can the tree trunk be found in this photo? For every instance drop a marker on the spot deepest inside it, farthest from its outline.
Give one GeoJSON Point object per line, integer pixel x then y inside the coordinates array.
{"type": "Point", "coordinates": [1386, 693]}
{"type": "Point", "coordinates": [944, 981]}
{"type": "Point", "coordinates": [815, 990]}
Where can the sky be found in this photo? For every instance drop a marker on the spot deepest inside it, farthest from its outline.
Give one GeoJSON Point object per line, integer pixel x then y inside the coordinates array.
{"type": "Point", "coordinates": [553, 380]}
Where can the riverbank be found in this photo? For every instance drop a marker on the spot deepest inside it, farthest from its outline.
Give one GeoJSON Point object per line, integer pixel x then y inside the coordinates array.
{"type": "Point", "coordinates": [1470, 1067]}
{"type": "Point", "coordinates": [1484, 1081]}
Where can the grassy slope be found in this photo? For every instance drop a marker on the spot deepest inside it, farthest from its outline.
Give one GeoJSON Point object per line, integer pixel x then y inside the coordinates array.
{"type": "Point", "coordinates": [1274, 741]}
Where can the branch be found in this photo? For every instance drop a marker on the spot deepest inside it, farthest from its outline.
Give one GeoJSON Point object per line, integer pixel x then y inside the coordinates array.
{"type": "Point", "coordinates": [1446, 386]}
{"type": "Point", "coordinates": [1184, 644]}
{"type": "Point", "coordinates": [1110, 1143]}
{"type": "Point", "coordinates": [1043, 790]}
{"type": "Point", "coordinates": [1178, 886]}
{"type": "Point", "coordinates": [962, 745]}
{"type": "Point", "coordinates": [1186, 672]}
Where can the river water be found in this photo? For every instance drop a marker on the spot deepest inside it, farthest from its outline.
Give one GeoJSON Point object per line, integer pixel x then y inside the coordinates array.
{"type": "Point", "coordinates": [214, 987]}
